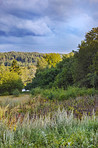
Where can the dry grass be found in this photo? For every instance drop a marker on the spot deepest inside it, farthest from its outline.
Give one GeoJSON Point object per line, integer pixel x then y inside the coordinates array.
{"type": "Point", "coordinates": [43, 106]}
{"type": "Point", "coordinates": [21, 97]}
{"type": "Point", "coordinates": [14, 101]}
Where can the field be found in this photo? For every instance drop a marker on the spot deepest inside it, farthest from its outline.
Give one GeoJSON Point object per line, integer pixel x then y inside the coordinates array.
{"type": "Point", "coordinates": [35, 121]}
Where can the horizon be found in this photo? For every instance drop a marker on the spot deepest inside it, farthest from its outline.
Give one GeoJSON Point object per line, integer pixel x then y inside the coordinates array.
{"type": "Point", "coordinates": [36, 52]}
{"type": "Point", "coordinates": [49, 26]}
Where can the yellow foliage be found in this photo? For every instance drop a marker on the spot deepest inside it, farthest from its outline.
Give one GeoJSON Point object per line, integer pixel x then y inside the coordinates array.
{"type": "Point", "coordinates": [3, 111]}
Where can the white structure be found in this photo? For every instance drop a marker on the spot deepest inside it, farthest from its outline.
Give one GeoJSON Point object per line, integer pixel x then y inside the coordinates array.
{"type": "Point", "coordinates": [24, 90]}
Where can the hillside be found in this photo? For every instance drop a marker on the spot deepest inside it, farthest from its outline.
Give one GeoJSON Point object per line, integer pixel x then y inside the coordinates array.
{"type": "Point", "coordinates": [24, 58]}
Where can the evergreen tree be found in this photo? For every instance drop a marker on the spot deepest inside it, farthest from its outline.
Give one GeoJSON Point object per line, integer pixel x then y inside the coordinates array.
{"type": "Point", "coordinates": [15, 67]}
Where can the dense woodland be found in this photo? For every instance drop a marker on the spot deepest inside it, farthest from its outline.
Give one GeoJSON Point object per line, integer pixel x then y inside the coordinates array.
{"type": "Point", "coordinates": [78, 68]}
{"type": "Point", "coordinates": [23, 58]}
{"type": "Point", "coordinates": [16, 74]}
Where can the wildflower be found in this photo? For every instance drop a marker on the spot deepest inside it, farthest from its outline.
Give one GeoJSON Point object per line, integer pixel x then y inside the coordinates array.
{"type": "Point", "coordinates": [15, 128]}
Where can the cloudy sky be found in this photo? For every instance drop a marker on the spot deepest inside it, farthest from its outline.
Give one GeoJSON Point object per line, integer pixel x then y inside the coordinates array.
{"type": "Point", "coordinates": [45, 25]}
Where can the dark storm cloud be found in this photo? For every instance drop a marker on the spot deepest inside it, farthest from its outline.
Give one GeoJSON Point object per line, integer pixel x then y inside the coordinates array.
{"type": "Point", "coordinates": [17, 32]}
{"type": "Point", "coordinates": [46, 23]}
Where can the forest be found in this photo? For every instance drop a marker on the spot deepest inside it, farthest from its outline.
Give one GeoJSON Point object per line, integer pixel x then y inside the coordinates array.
{"type": "Point", "coordinates": [79, 68]}
{"type": "Point", "coordinates": [60, 108]}
{"type": "Point", "coordinates": [23, 58]}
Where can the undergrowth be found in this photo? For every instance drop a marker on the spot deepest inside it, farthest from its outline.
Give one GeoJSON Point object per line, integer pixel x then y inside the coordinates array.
{"type": "Point", "coordinates": [61, 94]}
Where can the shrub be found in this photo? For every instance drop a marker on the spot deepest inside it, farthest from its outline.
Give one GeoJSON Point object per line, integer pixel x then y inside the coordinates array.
{"type": "Point", "coordinates": [9, 82]}
{"type": "Point", "coordinates": [16, 93]}
{"type": "Point", "coordinates": [6, 93]}
{"type": "Point", "coordinates": [61, 94]}
{"type": "Point", "coordinates": [35, 91]}
{"type": "Point", "coordinates": [50, 96]}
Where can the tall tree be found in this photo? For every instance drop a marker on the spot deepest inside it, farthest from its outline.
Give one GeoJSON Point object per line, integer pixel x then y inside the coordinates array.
{"type": "Point", "coordinates": [15, 67]}
{"type": "Point", "coordinates": [41, 63]}
{"type": "Point", "coordinates": [52, 59]}
{"type": "Point", "coordinates": [87, 52]}
{"type": "Point", "coordinates": [10, 81]}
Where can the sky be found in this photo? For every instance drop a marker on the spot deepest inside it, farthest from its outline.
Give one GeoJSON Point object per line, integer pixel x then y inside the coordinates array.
{"type": "Point", "coordinates": [45, 25]}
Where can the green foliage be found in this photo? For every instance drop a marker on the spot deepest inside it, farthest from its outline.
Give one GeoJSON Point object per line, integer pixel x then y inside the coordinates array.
{"type": "Point", "coordinates": [35, 91]}
{"type": "Point", "coordinates": [86, 57]}
{"type": "Point", "coordinates": [44, 78]}
{"type": "Point", "coordinates": [58, 76]}
{"type": "Point", "coordinates": [50, 96]}
{"type": "Point", "coordinates": [27, 73]}
{"type": "Point", "coordinates": [15, 67]}
{"type": "Point", "coordinates": [6, 93]}
{"type": "Point", "coordinates": [10, 81]}
{"type": "Point", "coordinates": [3, 69]}
{"type": "Point", "coordinates": [78, 68]}
{"type": "Point", "coordinates": [64, 77]}
{"type": "Point", "coordinates": [95, 63]}
{"type": "Point", "coordinates": [24, 58]}
{"type": "Point", "coordinates": [42, 63]}
{"type": "Point", "coordinates": [71, 54]}
{"type": "Point", "coordinates": [52, 59]}
{"type": "Point", "coordinates": [16, 93]}
{"type": "Point", "coordinates": [61, 94]}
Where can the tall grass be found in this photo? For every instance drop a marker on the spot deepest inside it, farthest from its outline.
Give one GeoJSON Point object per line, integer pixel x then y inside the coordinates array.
{"type": "Point", "coordinates": [57, 131]}
{"type": "Point", "coordinates": [38, 122]}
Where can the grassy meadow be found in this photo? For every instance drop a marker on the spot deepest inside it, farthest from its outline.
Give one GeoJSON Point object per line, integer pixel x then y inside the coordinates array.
{"type": "Point", "coordinates": [37, 120]}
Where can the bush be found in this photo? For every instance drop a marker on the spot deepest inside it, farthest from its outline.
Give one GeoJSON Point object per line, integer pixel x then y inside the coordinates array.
{"type": "Point", "coordinates": [10, 81]}
{"type": "Point", "coordinates": [16, 93]}
{"type": "Point", "coordinates": [61, 94]}
{"type": "Point", "coordinates": [35, 91]}
{"type": "Point", "coordinates": [5, 93]}
{"type": "Point", "coordinates": [50, 96]}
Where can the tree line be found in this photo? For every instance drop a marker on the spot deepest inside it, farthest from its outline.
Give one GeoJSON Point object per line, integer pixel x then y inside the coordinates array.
{"type": "Point", "coordinates": [24, 58]}
{"type": "Point", "coordinates": [79, 69]}
{"type": "Point", "coordinates": [17, 76]}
